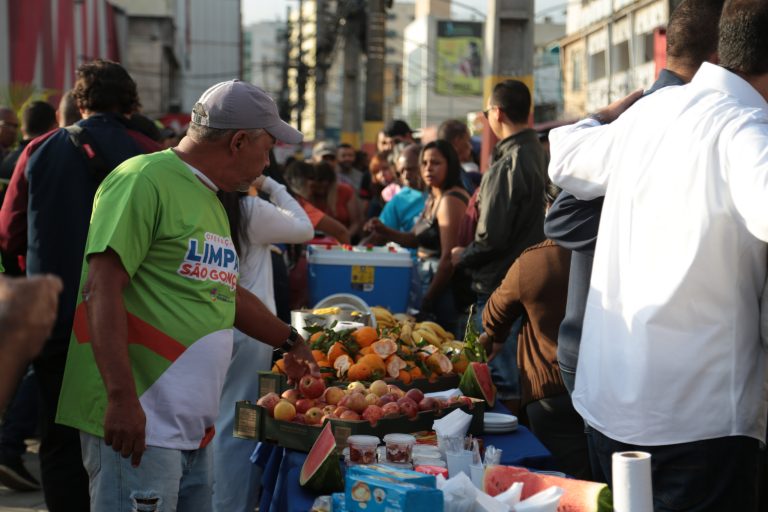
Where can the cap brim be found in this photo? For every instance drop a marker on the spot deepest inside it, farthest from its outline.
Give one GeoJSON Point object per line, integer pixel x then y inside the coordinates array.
{"type": "Point", "coordinates": [284, 132]}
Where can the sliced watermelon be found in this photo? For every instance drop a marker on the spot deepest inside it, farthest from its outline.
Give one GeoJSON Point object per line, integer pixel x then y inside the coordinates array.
{"type": "Point", "coordinates": [477, 383]}
{"type": "Point", "coordinates": [579, 496]}
{"type": "Point", "coordinates": [321, 471]}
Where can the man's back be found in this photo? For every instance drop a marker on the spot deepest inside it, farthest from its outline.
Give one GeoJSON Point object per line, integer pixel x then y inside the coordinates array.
{"type": "Point", "coordinates": [678, 266]}
{"type": "Point", "coordinates": [61, 190]}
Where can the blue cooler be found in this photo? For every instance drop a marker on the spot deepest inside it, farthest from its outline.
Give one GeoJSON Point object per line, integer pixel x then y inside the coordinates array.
{"type": "Point", "coordinates": [380, 276]}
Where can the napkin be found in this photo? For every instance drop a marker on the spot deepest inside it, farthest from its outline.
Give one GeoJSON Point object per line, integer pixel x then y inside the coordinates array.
{"type": "Point", "coordinates": [454, 424]}
{"type": "Point", "coordinates": [545, 501]}
{"type": "Point", "coordinates": [511, 497]}
{"type": "Point", "coordinates": [444, 395]}
{"type": "Point", "coordinates": [458, 493]}
{"type": "Point", "coordinates": [345, 325]}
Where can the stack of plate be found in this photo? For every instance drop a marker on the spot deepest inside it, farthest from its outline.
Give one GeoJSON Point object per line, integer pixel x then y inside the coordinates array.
{"type": "Point", "coordinates": [495, 423]}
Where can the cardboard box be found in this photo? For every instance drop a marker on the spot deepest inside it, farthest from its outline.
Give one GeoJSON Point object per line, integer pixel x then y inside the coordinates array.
{"type": "Point", "coordinates": [252, 422]}
{"type": "Point", "coordinates": [379, 493]}
{"type": "Point", "coordinates": [401, 475]}
{"type": "Point", "coordinates": [381, 276]}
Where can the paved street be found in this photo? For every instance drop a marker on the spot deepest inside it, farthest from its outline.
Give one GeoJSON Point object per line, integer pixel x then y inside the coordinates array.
{"type": "Point", "coordinates": [12, 501]}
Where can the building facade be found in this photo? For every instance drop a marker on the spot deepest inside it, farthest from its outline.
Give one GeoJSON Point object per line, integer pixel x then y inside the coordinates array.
{"type": "Point", "coordinates": [611, 48]}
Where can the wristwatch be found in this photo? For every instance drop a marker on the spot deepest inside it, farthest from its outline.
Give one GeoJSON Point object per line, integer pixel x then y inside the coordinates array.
{"type": "Point", "coordinates": [289, 343]}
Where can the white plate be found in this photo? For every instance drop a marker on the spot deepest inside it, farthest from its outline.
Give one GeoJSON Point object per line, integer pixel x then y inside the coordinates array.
{"type": "Point", "coordinates": [494, 418]}
{"type": "Point", "coordinates": [500, 430]}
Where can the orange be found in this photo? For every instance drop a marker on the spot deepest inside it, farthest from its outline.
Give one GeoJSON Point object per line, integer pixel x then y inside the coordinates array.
{"type": "Point", "coordinates": [318, 355]}
{"type": "Point", "coordinates": [416, 373]}
{"type": "Point", "coordinates": [374, 362]}
{"type": "Point", "coordinates": [279, 367]}
{"type": "Point", "coordinates": [366, 350]}
{"type": "Point", "coordinates": [359, 371]}
{"type": "Point", "coordinates": [315, 337]}
{"type": "Point", "coordinates": [364, 336]}
{"type": "Point", "coordinates": [342, 365]}
{"type": "Point", "coordinates": [405, 377]}
{"type": "Point", "coordinates": [385, 347]}
{"type": "Point", "coordinates": [335, 351]}
{"type": "Point", "coordinates": [460, 363]}
{"type": "Point", "coordinates": [394, 365]}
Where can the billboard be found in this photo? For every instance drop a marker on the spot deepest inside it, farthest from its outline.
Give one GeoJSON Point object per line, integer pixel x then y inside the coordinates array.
{"type": "Point", "coordinates": [459, 58]}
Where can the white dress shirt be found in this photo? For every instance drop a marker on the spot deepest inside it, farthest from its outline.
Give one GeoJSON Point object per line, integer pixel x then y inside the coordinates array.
{"type": "Point", "coordinates": [670, 350]}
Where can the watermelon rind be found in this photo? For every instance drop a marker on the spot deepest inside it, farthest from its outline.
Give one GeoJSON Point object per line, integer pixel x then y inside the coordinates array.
{"type": "Point", "coordinates": [321, 471]}
{"type": "Point", "coordinates": [579, 495]}
{"type": "Point", "coordinates": [476, 382]}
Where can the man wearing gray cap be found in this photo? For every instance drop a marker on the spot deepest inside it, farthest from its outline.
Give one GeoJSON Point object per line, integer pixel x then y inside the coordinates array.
{"type": "Point", "coordinates": [152, 337]}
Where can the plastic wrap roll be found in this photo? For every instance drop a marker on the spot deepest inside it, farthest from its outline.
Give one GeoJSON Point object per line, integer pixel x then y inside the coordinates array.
{"type": "Point", "coordinates": [632, 490]}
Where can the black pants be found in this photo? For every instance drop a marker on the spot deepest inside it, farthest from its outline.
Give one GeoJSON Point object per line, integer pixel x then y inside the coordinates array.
{"type": "Point", "coordinates": [65, 482]}
{"type": "Point", "coordinates": [560, 428]}
{"type": "Point", "coordinates": [714, 475]}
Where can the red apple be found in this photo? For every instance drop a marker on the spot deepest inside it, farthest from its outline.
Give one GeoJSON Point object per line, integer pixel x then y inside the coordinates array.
{"type": "Point", "coordinates": [408, 407]}
{"type": "Point", "coordinates": [269, 401]}
{"type": "Point", "coordinates": [355, 401]}
{"type": "Point", "coordinates": [333, 395]}
{"type": "Point", "coordinates": [349, 415]}
{"type": "Point", "coordinates": [415, 394]}
{"type": "Point", "coordinates": [291, 395]}
{"type": "Point", "coordinates": [313, 416]}
{"type": "Point", "coordinates": [429, 404]}
{"type": "Point", "coordinates": [385, 399]}
{"type": "Point", "coordinates": [328, 409]}
{"type": "Point", "coordinates": [304, 404]}
{"type": "Point", "coordinates": [311, 387]}
{"type": "Point", "coordinates": [391, 409]}
{"type": "Point", "coordinates": [300, 418]}
{"type": "Point", "coordinates": [339, 410]}
{"type": "Point", "coordinates": [396, 391]}
{"type": "Point", "coordinates": [373, 413]}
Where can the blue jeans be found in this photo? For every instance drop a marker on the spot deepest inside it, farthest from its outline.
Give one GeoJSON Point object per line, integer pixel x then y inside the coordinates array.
{"type": "Point", "coordinates": [701, 476]}
{"type": "Point", "coordinates": [504, 370]}
{"type": "Point", "coordinates": [166, 480]}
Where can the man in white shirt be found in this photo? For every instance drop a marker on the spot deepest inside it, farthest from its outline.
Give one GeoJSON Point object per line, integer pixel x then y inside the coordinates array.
{"type": "Point", "coordinates": [670, 359]}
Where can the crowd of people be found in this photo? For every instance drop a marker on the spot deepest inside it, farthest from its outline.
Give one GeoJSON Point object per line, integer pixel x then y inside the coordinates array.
{"type": "Point", "coordinates": [622, 313]}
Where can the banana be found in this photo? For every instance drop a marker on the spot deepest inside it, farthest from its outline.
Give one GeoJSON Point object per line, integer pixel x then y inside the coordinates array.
{"type": "Point", "coordinates": [405, 333]}
{"type": "Point", "coordinates": [335, 310]}
{"type": "Point", "coordinates": [427, 335]}
{"type": "Point", "coordinates": [383, 315]}
{"type": "Point", "coordinates": [403, 317]}
{"type": "Point", "coordinates": [436, 328]}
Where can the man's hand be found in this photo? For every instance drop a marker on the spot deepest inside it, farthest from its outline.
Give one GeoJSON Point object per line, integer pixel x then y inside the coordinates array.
{"type": "Point", "coordinates": [492, 348]}
{"type": "Point", "coordinates": [28, 308]}
{"type": "Point", "coordinates": [299, 362]}
{"type": "Point", "coordinates": [124, 424]}
{"type": "Point", "coordinates": [609, 114]}
{"type": "Point", "coordinates": [456, 253]}
{"type": "Point", "coordinates": [373, 225]}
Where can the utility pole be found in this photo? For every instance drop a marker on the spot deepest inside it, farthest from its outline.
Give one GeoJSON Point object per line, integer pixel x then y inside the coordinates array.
{"type": "Point", "coordinates": [508, 54]}
{"type": "Point", "coordinates": [284, 103]}
{"type": "Point", "coordinates": [350, 116]}
{"type": "Point", "coordinates": [322, 57]}
{"type": "Point", "coordinates": [374, 87]}
{"type": "Point", "coordinates": [301, 70]}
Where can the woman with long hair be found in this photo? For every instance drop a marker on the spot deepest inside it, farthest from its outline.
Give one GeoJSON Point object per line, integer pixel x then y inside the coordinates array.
{"type": "Point", "coordinates": [435, 232]}
{"type": "Point", "coordinates": [256, 225]}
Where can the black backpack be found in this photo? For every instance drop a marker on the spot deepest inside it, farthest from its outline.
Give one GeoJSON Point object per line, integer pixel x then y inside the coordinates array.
{"type": "Point", "coordinates": [83, 141]}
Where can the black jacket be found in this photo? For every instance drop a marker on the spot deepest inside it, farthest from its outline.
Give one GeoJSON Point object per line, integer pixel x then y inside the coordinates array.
{"type": "Point", "coordinates": [510, 208]}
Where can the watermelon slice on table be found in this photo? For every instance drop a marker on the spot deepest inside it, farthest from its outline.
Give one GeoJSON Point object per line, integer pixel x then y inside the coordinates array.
{"type": "Point", "coordinates": [579, 495]}
{"type": "Point", "coordinates": [477, 383]}
{"type": "Point", "coordinates": [321, 471]}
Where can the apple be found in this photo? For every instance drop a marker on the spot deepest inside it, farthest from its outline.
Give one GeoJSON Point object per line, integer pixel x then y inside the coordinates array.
{"type": "Point", "coordinates": [396, 391]}
{"type": "Point", "coordinates": [379, 387]}
{"type": "Point", "coordinates": [291, 395]}
{"type": "Point", "coordinates": [333, 395]}
{"type": "Point", "coordinates": [311, 386]}
{"type": "Point", "coordinates": [408, 407]}
{"type": "Point", "coordinates": [429, 404]}
{"type": "Point", "coordinates": [269, 401]}
{"type": "Point", "coordinates": [300, 418]}
{"type": "Point", "coordinates": [284, 411]}
{"type": "Point", "coordinates": [387, 398]}
{"type": "Point", "coordinates": [356, 387]}
{"type": "Point", "coordinates": [339, 410]}
{"type": "Point", "coordinates": [373, 413]}
{"type": "Point", "coordinates": [391, 409]}
{"type": "Point", "coordinates": [313, 416]}
{"type": "Point", "coordinates": [328, 409]}
{"type": "Point", "coordinates": [371, 398]}
{"type": "Point", "coordinates": [415, 394]}
{"type": "Point", "coordinates": [349, 415]}
{"type": "Point", "coordinates": [304, 404]}
{"type": "Point", "coordinates": [354, 401]}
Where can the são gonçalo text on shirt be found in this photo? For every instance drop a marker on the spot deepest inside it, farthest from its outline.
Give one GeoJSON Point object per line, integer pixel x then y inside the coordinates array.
{"type": "Point", "coordinates": [212, 259]}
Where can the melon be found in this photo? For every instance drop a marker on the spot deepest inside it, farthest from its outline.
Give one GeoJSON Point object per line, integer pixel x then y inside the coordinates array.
{"type": "Point", "coordinates": [579, 495]}
{"type": "Point", "coordinates": [476, 382]}
{"type": "Point", "coordinates": [321, 471]}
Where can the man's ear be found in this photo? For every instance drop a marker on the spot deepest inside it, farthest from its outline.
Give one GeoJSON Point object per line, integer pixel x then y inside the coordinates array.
{"type": "Point", "coordinates": [237, 141]}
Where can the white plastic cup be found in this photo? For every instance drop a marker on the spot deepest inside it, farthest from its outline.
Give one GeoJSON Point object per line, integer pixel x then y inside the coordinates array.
{"type": "Point", "coordinates": [476, 474]}
{"type": "Point", "coordinates": [459, 462]}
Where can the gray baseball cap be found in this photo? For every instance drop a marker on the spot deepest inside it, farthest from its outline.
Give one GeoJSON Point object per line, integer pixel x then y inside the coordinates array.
{"type": "Point", "coordinates": [238, 105]}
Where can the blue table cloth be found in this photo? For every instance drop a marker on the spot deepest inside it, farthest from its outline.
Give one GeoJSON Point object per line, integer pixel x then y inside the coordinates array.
{"type": "Point", "coordinates": [280, 483]}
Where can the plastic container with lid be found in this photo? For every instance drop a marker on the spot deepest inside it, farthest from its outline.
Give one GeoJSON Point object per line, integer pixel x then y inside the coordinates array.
{"type": "Point", "coordinates": [399, 447]}
{"type": "Point", "coordinates": [362, 449]}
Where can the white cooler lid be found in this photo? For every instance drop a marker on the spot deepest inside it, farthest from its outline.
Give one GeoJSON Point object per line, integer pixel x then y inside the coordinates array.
{"type": "Point", "coordinates": [388, 256]}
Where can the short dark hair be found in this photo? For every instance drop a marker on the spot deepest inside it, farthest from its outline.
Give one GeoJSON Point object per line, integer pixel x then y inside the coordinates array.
{"type": "Point", "coordinates": [38, 118]}
{"type": "Point", "coordinates": [451, 129]}
{"type": "Point", "coordinates": [743, 42]}
{"type": "Point", "coordinates": [397, 128]}
{"type": "Point", "coordinates": [453, 172]}
{"type": "Point", "coordinates": [323, 171]}
{"type": "Point", "coordinates": [692, 31]}
{"type": "Point", "coordinates": [105, 86]}
{"type": "Point", "coordinates": [344, 145]}
{"type": "Point", "coordinates": [514, 99]}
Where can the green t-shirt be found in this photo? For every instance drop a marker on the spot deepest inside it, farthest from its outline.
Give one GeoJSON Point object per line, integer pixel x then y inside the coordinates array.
{"type": "Point", "coordinates": [172, 236]}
